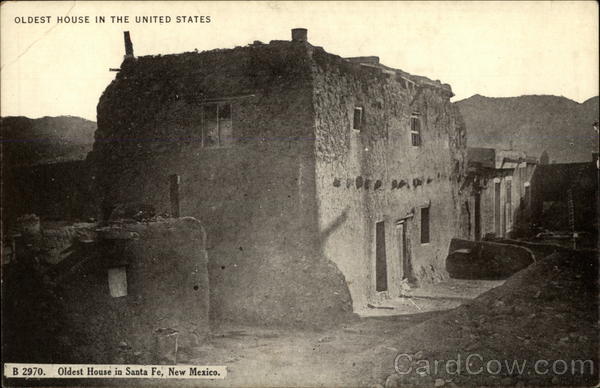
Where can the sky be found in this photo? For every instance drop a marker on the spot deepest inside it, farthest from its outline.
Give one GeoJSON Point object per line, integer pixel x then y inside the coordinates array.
{"type": "Point", "coordinates": [496, 49]}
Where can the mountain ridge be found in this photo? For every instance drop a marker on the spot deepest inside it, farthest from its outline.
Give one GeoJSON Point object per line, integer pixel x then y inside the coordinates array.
{"type": "Point", "coordinates": [48, 139]}
{"type": "Point", "coordinates": [534, 124]}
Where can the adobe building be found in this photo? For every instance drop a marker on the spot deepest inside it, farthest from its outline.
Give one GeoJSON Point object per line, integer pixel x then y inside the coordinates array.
{"type": "Point", "coordinates": [500, 183]}
{"type": "Point", "coordinates": [322, 181]}
{"type": "Point", "coordinates": [565, 197]}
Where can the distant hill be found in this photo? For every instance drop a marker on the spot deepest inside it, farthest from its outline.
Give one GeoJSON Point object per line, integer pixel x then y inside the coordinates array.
{"type": "Point", "coordinates": [533, 123]}
{"type": "Point", "coordinates": [28, 141]}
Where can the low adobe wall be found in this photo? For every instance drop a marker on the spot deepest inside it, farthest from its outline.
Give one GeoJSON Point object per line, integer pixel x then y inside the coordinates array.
{"type": "Point", "coordinates": [540, 250]}
{"type": "Point", "coordinates": [167, 294]}
{"type": "Point", "coordinates": [486, 260]}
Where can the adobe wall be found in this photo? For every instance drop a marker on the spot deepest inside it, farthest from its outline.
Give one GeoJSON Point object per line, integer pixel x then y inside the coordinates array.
{"type": "Point", "coordinates": [375, 174]}
{"type": "Point", "coordinates": [167, 290]}
{"type": "Point", "coordinates": [486, 260]}
{"type": "Point", "coordinates": [256, 196]}
{"type": "Point", "coordinates": [540, 250]}
{"type": "Point", "coordinates": [550, 185]}
{"type": "Point", "coordinates": [516, 218]}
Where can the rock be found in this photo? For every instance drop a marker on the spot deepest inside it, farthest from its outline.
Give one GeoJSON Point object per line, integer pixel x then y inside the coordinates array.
{"type": "Point", "coordinates": [439, 383]}
{"type": "Point", "coordinates": [555, 380]}
{"type": "Point", "coordinates": [499, 304]}
{"type": "Point", "coordinates": [507, 381]}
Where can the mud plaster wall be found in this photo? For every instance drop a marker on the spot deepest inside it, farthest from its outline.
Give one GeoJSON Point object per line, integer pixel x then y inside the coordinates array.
{"type": "Point", "coordinates": [255, 197]}
{"type": "Point", "coordinates": [167, 288]}
{"type": "Point", "coordinates": [429, 175]}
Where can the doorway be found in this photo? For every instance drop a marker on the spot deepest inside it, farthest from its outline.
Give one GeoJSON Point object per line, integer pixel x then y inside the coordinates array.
{"type": "Point", "coordinates": [380, 258]}
{"type": "Point", "coordinates": [404, 251]}
{"type": "Point", "coordinates": [497, 219]}
{"type": "Point", "coordinates": [477, 216]}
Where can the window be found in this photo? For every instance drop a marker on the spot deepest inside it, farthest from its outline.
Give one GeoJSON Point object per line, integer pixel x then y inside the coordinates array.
{"type": "Point", "coordinates": [217, 129]}
{"type": "Point", "coordinates": [117, 282]}
{"type": "Point", "coordinates": [415, 130]}
{"type": "Point", "coordinates": [358, 118]}
{"type": "Point", "coordinates": [424, 225]}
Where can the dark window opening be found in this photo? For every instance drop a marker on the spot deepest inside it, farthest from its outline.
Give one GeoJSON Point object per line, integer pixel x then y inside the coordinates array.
{"type": "Point", "coordinates": [380, 258]}
{"type": "Point", "coordinates": [358, 118]}
{"type": "Point", "coordinates": [217, 129]}
{"type": "Point", "coordinates": [424, 225]}
{"type": "Point", "coordinates": [415, 130]}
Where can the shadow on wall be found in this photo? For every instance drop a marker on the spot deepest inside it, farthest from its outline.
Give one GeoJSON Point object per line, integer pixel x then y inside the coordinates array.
{"type": "Point", "coordinates": [336, 224]}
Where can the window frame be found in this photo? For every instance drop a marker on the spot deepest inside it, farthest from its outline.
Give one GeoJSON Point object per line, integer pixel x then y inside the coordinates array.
{"type": "Point", "coordinates": [416, 140]}
{"type": "Point", "coordinates": [361, 119]}
{"type": "Point", "coordinates": [219, 143]}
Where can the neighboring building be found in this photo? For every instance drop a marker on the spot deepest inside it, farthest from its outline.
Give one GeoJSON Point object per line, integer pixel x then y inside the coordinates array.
{"type": "Point", "coordinates": [53, 191]}
{"type": "Point", "coordinates": [290, 156]}
{"type": "Point", "coordinates": [555, 185]}
{"type": "Point", "coordinates": [500, 189]}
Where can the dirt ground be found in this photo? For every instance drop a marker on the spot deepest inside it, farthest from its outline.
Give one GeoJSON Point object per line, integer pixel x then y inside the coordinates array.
{"type": "Point", "coordinates": [547, 313]}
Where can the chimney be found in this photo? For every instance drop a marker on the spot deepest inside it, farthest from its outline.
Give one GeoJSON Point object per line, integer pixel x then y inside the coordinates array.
{"type": "Point", "coordinates": [299, 34]}
{"type": "Point", "coordinates": [128, 45]}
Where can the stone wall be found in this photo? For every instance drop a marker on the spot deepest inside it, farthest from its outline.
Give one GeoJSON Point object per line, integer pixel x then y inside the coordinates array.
{"type": "Point", "coordinates": [375, 174]}
{"type": "Point", "coordinates": [255, 194]}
